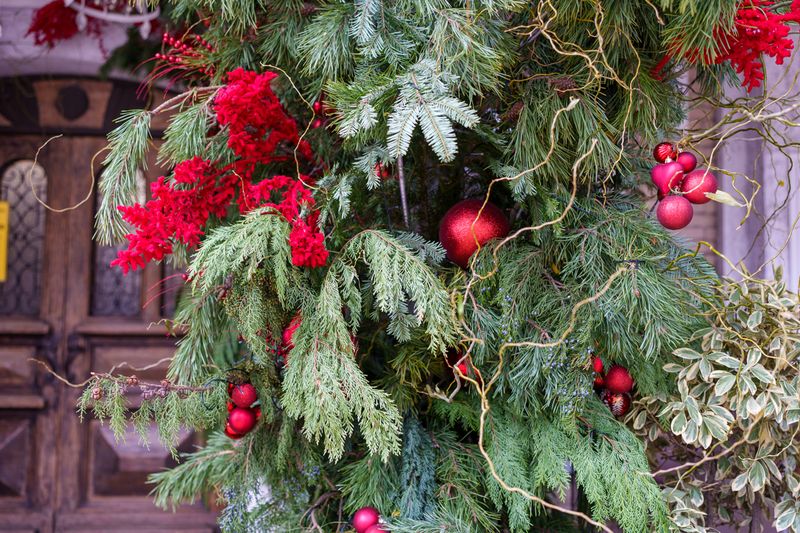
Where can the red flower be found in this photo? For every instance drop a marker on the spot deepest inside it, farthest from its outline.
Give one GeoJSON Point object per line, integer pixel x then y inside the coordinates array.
{"type": "Point", "coordinates": [260, 132]}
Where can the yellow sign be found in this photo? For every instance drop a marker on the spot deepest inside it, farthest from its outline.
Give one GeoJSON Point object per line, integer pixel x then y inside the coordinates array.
{"type": "Point", "coordinates": [4, 209]}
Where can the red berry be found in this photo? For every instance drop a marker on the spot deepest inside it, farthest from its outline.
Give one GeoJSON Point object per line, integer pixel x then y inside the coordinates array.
{"type": "Point", "coordinates": [230, 388]}
{"type": "Point", "coordinates": [597, 364]}
{"type": "Point", "coordinates": [618, 379]}
{"type": "Point", "coordinates": [258, 413]}
{"type": "Point", "coordinates": [365, 518]}
{"type": "Point", "coordinates": [231, 433]}
{"type": "Point", "coordinates": [462, 367]}
{"type": "Point", "coordinates": [242, 420]}
{"type": "Point", "coordinates": [376, 528]}
{"type": "Point", "coordinates": [687, 160]}
{"type": "Point", "coordinates": [230, 406]}
{"type": "Point", "coordinates": [697, 184]}
{"type": "Point", "coordinates": [318, 123]}
{"type": "Point", "coordinates": [244, 395]}
{"type": "Point", "coordinates": [318, 106]}
{"type": "Point", "coordinates": [674, 212]}
{"type": "Point", "coordinates": [664, 151]}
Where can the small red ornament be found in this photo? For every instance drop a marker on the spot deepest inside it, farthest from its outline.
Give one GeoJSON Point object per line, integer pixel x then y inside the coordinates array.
{"type": "Point", "coordinates": [618, 403]}
{"type": "Point", "coordinates": [318, 107]}
{"type": "Point", "coordinates": [231, 433]}
{"type": "Point", "coordinates": [697, 184]}
{"type": "Point", "coordinates": [599, 383]}
{"type": "Point", "coordinates": [318, 123]}
{"type": "Point", "coordinates": [674, 212]}
{"type": "Point", "coordinates": [664, 151]}
{"type": "Point", "coordinates": [459, 230]}
{"type": "Point", "coordinates": [244, 395]}
{"type": "Point", "coordinates": [666, 176]}
{"type": "Point", "coordinates": [365, 518]}
{"type": "Point", "coordinates": [241, 420]}
{"type": "Point", "coordinates": [258, 413]}
{"type": "Point", "coordinates": [377, 528]}
{"type": "Point", "coordinates": [597, 364]}
{"type": "Point", "coordinates": [230, 388]}
{"type": "Point", "coordinates": [687, 160]}
{"type": "Point", "coordinates": [287, 336]}
{"type": "Point", "coordinates": [382, 171]}
{"type": "Point", "coordinates": [230, 406]}
{"type": "Point", "coordinates": [618, 379]}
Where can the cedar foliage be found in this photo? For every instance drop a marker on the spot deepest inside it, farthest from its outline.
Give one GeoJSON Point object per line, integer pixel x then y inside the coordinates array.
{"type": "Point", "coordinates": [556, 100]}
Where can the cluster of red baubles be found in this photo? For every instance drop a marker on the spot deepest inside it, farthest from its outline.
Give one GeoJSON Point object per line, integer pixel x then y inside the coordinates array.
{"type": "Point", "coordinates": [680, 184]}
{"type": "Point", "coordinates": [613, 386]}
{"type": "Point", "coordinates": [242, 416]}
{"type": "Point", "coordinates": [367, 520]}
{"type": "Point", "coordinates": [469, 225]}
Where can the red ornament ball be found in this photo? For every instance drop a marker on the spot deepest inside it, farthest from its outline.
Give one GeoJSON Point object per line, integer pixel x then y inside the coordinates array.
{"type": "Point", "coordinates": [618, 379]}
{"type": "Point", "coordinates": [458, 234]}
{"type": "Point", "coordinates": [666, 177]}
{"type": "Point", "coordinates": [244, 395]}
{"type": "Point", "coordinates": [230, 406]}
{"type": "Point", "coordinates": [697, 184]}
{"type": "Point", "coordinates": [618, 403]}
{"type": "Point", "coordinates": [674, 212]}
{"type": "Point", "coordinates": [241, 420]}
{"type": "Point", "coordinates": [287, 343]}
{"type": "Point", "coordinates": [318, 107]}
{"type": "Point", "coordinates": [599, 383]}
{"type": "Point", "coordinates": [597, 364]}
{"type": "Point", "coordinates": [664, 151]}
{"type": "Point", "coordinates": [377, 528]}
{"type": "Point", "coordinates": [318, 123]}
{"type": "Point", "coordinates": [687, 160]}
{"type": "Point", "coordinates": [365, 518]}
{"type": "Point", "coordinates": [231, 433]}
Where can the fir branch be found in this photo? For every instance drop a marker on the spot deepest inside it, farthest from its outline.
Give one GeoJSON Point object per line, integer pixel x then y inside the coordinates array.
{"type": "Point", "coordinates": [127, 145]}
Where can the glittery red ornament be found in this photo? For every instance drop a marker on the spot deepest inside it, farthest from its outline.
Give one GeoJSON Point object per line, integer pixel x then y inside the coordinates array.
{"type": "Point", "coordinates": [462, 367]}
{"type": "Point", "coordinates": [666, 176]}
{"type": "Point", "coordinates": [597, 364]}
{"type": "Point", "coordinates": [618, 379]}
{"type": "Point", "coordinates": [697, 184]}
{"type": "Point", "coordinates": [377, 528]}
{"type": "Point", "coordinates": [618, 403]}
{"type": "Point", "coordinates": [674, 212]}
{"type": "Point", "coordinates": [687, 160]}
{"type": "Point", "coordinates": [365, 518]}
{"type": "Point", "coordinates": [244, 395]}
{"type": "Point", "coordinates": [231, 433]}
{"type": "Point", "coordinates": [664, 151]}
{"type": "Point", "coordinates": [241, 420]}
{"type": "Point", "coordinates": [459, 230]}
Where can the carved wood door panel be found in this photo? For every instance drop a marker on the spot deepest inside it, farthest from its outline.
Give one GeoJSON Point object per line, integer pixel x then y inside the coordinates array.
{"type": "Point", "coordinates": [62, 305]}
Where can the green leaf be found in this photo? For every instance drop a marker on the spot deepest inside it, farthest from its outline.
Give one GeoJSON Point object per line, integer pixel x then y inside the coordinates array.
{"type": "Point", "coordinates": [785, 519]}
{"type": "Point", "coordinates": [739, 483]}
{"type": "Point", "coordinates": [724, 384]}
{"type": "Point", "coordinates": [754, 320]}
{"type": "Point", "coordinates": [757, 476]}
{"type": "Point", "coordinates": [687, 353]}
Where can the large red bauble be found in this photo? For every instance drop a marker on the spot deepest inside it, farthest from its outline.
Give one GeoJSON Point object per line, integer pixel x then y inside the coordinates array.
{"type": "Point", "coordinates": [664, 151]}
{"type": "Point", "coordinates": [458, 235]}
{"type": "Point", "coordinates": [619, 403]}
{"type": "Point", "coordinates": [377, 528]}
{"type": "Point", "coordinates": [674, 212]}
{"type": "Point", "coordinates": [365, 518]}
{"type": "Point", "coordinates": [697, 184]}
{"type": "Point", "coordinates": [666, 177]}
{"type": "Point", "coordinates": [618, 379]}
{"type": "Point", "coordinates": [244, 395]}
{"type": "Point", "coordinates": [687, 160]}
{"type": "Point", "coordinates": [241, 420]}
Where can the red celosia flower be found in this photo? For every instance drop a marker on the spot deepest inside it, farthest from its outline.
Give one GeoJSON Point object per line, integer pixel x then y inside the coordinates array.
{"type": "Point", "coordinates": [259, 129]}
{"type": "Point", "coordinates": [757, 31]}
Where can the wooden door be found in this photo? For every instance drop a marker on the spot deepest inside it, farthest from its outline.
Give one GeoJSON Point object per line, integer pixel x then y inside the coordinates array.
{"type": "Point", "coordinates": [62, 305]}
